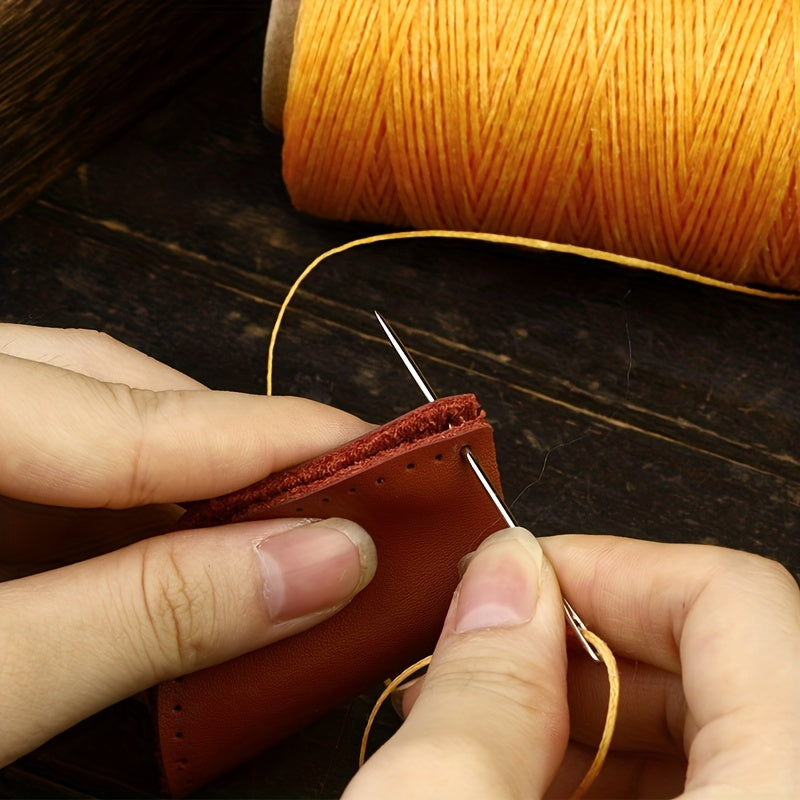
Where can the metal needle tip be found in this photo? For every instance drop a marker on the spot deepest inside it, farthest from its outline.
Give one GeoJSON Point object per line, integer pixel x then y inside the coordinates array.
{"type": "Point", "coordinates": [405, 356]}
{"type": "Point", "coordinates": [574, 621]}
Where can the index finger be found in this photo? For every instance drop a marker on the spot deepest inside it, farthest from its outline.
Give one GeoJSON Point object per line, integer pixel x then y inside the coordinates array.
{"type": "Point", "coordinates": [91, 353]}
{"type": "Point", "coordinates": [727, 622]}
{"type": "Point", "coordinates": [69, 439]}
{"type": "Point", "coordinates": [638, 595]}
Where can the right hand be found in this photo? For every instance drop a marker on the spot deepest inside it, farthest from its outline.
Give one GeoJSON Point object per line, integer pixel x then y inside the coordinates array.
{"type": "Point", "coordinates": [708, 645]}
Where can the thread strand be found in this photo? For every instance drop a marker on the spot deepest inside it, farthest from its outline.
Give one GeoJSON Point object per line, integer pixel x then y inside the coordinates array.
{"type": "Point", "coordinates": [516, 241]}
{"type": "Point", "coordinates": [609, 726]}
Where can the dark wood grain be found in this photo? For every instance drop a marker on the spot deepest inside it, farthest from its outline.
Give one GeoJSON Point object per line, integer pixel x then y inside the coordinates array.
{"type": "Point", "coordinates": [74, 73]}
{"type": "Point", "coordinates": [623, 402]}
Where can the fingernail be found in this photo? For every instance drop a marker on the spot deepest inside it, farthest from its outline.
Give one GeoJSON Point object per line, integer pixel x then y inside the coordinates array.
{"type": "Point", "coordinates": [500, 587]}
{"type": "Point", "coordinates": [464, 562]}
{"type": "Point", "coordinates": [315, 567]}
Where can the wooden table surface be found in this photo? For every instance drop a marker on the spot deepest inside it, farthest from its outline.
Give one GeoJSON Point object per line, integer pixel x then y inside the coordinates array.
{"type": "Point", "coordinates": [623, 402]}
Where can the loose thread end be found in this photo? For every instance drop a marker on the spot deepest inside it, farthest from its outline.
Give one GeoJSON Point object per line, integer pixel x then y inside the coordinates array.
{"type": "Point", "coordinates": [610, 662]}
{"type": "Point", "coordinates": [608, 659]}
{"type": "Point", "coordinates": [390, 687]}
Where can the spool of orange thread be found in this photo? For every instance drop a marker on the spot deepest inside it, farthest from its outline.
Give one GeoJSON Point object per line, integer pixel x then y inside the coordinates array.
{"type": "Point", "coordinates": [664, 130]}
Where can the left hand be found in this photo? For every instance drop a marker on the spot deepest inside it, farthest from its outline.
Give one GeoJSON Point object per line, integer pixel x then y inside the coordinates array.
{"type": "Point", "coordinates": [74, 402]}
{"type": "Point", "coordinates": [707, 641]}
{"type": "Point", "coordinates": [97, 444]}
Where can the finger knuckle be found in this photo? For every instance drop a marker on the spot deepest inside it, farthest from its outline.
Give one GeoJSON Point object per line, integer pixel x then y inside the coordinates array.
{"type": "Point", "coordinates": [777, 579]}
{"type": "Point", "coordinates": [137, 411]}
{"type": "Point", "coordinates": [97, 339]}
{"type": "Point", "coordinates": [176, 608]}
{"type": "Point", "coordinates": [767, 573]}
{"type": "Point", "coordinates": [143, 407]}
{"type": "Point", "coordinates": [753, 578]}
{"type": "Point", "coordinates": [506, 677]}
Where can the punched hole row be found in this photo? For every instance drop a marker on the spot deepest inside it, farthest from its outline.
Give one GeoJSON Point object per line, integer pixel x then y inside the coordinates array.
{"type": "Point", "coordinates": [379, 481]}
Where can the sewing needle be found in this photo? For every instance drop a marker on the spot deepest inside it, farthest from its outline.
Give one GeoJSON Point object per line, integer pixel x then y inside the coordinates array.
{"type": "Point", "coordinates": [574, 621]}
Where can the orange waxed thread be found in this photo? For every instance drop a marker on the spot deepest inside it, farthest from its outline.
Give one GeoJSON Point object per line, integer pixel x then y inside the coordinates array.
{"type": "Point", "coordinates": [660, 130]}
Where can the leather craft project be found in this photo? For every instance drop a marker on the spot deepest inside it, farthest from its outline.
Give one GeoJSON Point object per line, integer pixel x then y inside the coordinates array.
{"type": "Point", "coordinates": [408, 484]}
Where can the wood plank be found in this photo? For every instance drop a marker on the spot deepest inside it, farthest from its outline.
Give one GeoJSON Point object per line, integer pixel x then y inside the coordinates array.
{"type": "Point", "coordinates": [680, 360]}
{"type": "Point", "coordinates": [76, 73]}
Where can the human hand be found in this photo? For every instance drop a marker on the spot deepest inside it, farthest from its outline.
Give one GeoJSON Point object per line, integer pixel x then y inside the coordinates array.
{"type": "Point", "coordinates": [88, 463]}
{"type": "Point", "coordinates": [708, 645]}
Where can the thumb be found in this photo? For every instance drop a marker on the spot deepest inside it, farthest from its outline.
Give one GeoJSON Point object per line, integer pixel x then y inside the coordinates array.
{"type": "Point", "coordinates": [491, 718]}
{"type": "Point", "coordinates": [76, 639]}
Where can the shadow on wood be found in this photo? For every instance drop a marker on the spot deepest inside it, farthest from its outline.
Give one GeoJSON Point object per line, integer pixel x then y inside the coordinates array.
{"type": "Point", "coordinates": [74, 73]}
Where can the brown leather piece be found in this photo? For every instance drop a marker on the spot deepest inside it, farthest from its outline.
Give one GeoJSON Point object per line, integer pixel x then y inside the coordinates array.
{"type": "Point", "coordinates": [408, 484]}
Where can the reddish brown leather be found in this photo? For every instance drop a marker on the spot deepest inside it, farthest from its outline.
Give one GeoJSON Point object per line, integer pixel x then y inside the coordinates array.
{"type": "Point", "coordinates": [407, 483]}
